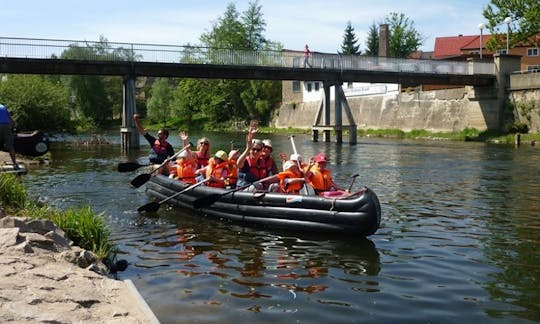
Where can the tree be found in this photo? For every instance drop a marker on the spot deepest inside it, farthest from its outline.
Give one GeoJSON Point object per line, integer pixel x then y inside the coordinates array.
{"type": "Point", "coordinates": [372, 43]}
{"type": "Point", "coordinates": [227, 32]}
{"type": "Point", "coordinates": [525, 15]}
{"type": "Point", "coordinates": [404, 38]}
{"type": "Point", "coordinates": [254, 26]}
{"type": "Point", "coordinates": [228, 100]}
{"type": "Point", "coordinates": [35, 102]}
{"type": "Point", "coordinates": [349, 46]}
{"type": "Point", "coordinates": [159, 104]}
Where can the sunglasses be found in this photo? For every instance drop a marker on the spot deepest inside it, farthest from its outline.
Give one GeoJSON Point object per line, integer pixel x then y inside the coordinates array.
{"type": "Point", "coordinates": [268, 148]}
{"type": "Point", "coordinates": [255, 149]}
{"type": "Point", "coordinates": [204, 143]}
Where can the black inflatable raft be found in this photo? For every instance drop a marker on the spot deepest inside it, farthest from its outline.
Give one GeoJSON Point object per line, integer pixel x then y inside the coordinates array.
{"type": "Point", "coordinates": [358, 213]}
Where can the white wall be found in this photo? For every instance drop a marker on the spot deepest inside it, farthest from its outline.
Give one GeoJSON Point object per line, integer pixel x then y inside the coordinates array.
{"type": "Point", "coordinates": [312, 90]}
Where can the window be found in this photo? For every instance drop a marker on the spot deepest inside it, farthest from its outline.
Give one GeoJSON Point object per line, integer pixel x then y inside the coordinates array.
{"type": "Point", "coordinates": [296, 86]}
{"type": "Point", "coordinates": [309, 86]}
{"type": "Point", "coordinates": [502, 51]}
{"type": "Point", "coordinates": [532, 51]}
{"type": "Point", "coordinates": [533, 67]}
{"type": "Point", "coordinates": [316, 86]}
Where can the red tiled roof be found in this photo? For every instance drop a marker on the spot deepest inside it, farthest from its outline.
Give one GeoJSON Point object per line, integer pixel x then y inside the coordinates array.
{"type": "Point", "coordinates": [451, 46]}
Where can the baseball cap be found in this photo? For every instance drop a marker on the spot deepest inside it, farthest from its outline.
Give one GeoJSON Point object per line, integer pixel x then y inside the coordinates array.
{"type": "Point", "coordinates": [289, 164]}
{"type": "Point", "coordinates": [221, 155]}
{"type": "Point", "coordinates": [320, 158]}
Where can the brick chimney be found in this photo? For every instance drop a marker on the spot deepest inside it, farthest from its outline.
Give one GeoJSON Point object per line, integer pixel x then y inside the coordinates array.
{"type": "Point", "coordinates": [384, 40]}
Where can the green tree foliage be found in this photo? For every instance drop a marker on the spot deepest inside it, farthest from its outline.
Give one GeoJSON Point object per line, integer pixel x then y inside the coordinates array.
{"type": "Point", "coordinates": [349, 45]}
{"type": "Point", "coordinates": [254, 26]}
{"type": "Point", "coordinates": [159, 104]}
{"type": "Point", "coordinates": [217, 103]}
{"type": "Point", "coordinates": [227, 32]}
{"type": "Point", "coordinates": [525, 15]}
{"type": "Point", "coordinates": [97, 98]}
{"type": "Point", "coordinates": [372, 43]}
{"type": "Point", "coordinates": [35, 102]}
{"type": "Point", "coordinates": [404, 38]}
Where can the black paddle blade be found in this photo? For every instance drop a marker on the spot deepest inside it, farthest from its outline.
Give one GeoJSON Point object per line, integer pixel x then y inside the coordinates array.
{"type": "Point", "coordinates": [140, 180]}
{"type": "Point", "coordinates": [206, 201]}
{"type": "Point", "coordinates": [128, 166]}
{"type": "Point", "coordinates": [149, 208]}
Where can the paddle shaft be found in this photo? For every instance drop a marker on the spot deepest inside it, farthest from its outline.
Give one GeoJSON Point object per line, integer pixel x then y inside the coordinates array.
{"type": "Point", "coordinates": [143, 178]}
{"type": "Point", "coordinates": [167, 160]}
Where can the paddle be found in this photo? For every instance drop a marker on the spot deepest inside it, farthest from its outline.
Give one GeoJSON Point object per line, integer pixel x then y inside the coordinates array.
{"type": "Point", "coordinates": [212, 198]}
{"type": "Point", "coordinates": [130, 166]}
{"type": "Point", "coordinates": [143, 178]}
{"type": "Point", "coordinates": [307, 188]}
{"type": "Point", "coordinates": [352, 182]}
{"type": "Point", "coordinates": [154, 206]}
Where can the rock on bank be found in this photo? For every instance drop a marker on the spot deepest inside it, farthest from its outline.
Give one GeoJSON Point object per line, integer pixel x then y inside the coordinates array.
{"type": "Point", "coordinates": [41, 280]}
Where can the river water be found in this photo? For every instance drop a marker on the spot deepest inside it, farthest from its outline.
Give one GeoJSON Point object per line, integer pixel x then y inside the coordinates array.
{"type": "Point", "coordinates": [459, 239]}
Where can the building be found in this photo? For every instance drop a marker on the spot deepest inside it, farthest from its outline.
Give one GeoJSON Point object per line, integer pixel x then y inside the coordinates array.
{"type": "Point", "coordinates": [463, 47]}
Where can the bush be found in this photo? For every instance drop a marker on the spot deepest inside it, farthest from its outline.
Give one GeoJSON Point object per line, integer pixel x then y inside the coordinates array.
{"type": "Point", "coordinates": [519, 127]}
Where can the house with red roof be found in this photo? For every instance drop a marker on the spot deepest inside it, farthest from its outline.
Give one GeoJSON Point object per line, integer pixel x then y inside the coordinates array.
{"type": "Point", "coordinates": [463, 47]}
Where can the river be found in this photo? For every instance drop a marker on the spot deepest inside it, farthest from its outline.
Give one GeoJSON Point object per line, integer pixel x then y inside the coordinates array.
{"type": "Point", "coordinates": [459, 239]}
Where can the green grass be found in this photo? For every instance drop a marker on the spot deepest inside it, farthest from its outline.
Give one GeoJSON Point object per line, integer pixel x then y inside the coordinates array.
{"type": "Point", "coordinates": [85, 228]}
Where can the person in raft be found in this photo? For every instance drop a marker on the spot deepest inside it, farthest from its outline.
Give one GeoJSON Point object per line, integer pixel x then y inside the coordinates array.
{"type": "Point", "coordinates": [319, 177]}
{"type": "Point", "coordinates": [160, 149]}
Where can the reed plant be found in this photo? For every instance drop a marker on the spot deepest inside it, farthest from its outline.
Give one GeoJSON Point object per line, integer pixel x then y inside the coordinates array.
{"type": "Point", "coordinates": [12, 193]}
{"type": "Point", "coordinates": [85, 228]}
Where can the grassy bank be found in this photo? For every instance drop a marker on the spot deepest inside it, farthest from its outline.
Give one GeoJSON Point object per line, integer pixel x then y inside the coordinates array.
{"type": "Point", "coordinates": [85, 228]}
{"type": "Point", "coordinates": [468, 134]}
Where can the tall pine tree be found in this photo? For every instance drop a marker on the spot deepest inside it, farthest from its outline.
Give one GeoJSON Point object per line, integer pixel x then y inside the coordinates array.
{"type": "Point", "coordinates": [372, 44]}
{"type": "Point", "coordinates": [349, 46]}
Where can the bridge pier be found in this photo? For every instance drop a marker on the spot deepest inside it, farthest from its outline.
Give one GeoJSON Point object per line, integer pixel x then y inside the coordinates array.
{"type": "Point", "coordinates": [340, 104]}
{"type": "Point", "coordinates": [128, 132]}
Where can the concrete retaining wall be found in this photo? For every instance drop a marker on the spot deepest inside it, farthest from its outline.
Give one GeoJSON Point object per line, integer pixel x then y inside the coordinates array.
{"type": "Point", "coordinates": [437, 110]}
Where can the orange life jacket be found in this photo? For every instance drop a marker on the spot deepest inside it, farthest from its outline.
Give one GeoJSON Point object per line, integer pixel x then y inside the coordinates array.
{"type": "Point", "coordinates": [185, 170]}
{"type": "Point", "coordinates": [320, 180]}
{"type": "Point", "coordinates": [293, 188]}
{"type": "Point", "coordinates": [232, 175]}
{"type": "Point", "coordinates": [219, 171]}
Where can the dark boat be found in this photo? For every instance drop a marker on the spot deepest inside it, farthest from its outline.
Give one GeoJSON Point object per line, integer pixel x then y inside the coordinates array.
{"type": "Point", "coordinates": [358, 213]}
{"type": "Point", "coordinates": [31, 144]}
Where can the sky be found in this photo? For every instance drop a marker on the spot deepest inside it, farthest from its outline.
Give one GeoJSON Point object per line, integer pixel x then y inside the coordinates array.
{"type": "Point", "coordinates": [293, 23]}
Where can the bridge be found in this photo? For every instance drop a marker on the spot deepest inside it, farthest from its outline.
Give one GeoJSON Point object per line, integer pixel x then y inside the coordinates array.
{"type": "Point", "coordinates": [130, 60]}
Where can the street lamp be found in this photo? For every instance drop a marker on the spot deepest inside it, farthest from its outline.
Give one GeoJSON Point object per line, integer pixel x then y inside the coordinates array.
{"type": "Point", "coordinates": [507, 21]}
{"type": "Point", "coordinates": [481, 27]}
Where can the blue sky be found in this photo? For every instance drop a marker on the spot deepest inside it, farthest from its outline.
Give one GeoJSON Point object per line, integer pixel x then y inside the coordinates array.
{"type": "Point", "coordinates": [294, 23]}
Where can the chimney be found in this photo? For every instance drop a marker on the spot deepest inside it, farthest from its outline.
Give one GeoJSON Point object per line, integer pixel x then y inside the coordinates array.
{"type": "Point", "coordinates": [384, 40]}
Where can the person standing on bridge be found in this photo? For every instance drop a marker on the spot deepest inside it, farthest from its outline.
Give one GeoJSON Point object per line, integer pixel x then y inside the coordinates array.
{"type": "Point", "coordinates": [6, 134]}
{"type": "Point", "coordinates": [160, 148]}
{"type": "Point", "coordinates": [307, 55]}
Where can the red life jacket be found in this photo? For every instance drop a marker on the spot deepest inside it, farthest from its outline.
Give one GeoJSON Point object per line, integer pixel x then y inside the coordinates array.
{"type": "Point", "coordinates": [257, 167]}
{"type": "Point", "coordinates": [202, 160]}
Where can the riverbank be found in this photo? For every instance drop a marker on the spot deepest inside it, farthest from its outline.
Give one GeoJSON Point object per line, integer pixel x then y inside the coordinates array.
{"type": "Point", "coordinates": [45, 279]}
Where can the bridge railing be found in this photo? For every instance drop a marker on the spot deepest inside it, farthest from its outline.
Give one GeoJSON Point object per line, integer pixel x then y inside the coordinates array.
{"type": "Point", "coordinates": [111, 51]}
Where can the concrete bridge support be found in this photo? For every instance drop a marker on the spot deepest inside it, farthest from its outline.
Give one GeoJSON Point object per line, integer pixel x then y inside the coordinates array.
{"type": "Point", "coordinates": [128, 132]}
{"type": "Point", "coordinates": [340, 105]}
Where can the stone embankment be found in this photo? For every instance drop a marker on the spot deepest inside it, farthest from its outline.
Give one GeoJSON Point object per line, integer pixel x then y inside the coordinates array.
{"type": "Point", "coordinates": [45, 279]}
